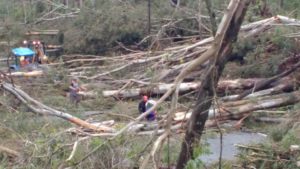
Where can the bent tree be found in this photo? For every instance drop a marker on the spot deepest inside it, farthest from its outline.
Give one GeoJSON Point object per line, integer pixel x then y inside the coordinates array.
{"type": "Point", "coordinates": [226, 36]}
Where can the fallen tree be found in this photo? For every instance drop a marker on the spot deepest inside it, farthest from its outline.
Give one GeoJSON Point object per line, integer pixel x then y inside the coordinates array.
{"type": "Point", "coordinates": [268, 81]}
{"type": "Point", "coordinates": [42, 109]}
{"type": "Point", "coordinates": [231, 110]}
{"type": "Point", "coordinates": [183, 87]}
{"type": "Point", "coordinates": [235, 110]}
{"type": "Point", "coordinates": [27, 74]}
{"type": "Point", "coordinates": [228, 110]}
{"type": "Point", "coordinates": [168, 62]}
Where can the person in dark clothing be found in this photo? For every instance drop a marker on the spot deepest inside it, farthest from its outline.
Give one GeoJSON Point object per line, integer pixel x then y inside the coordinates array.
{"type": "Point", "coordinates": [142, 105]}
{"type": "Point", "coordinates": [174, 3]}
{"type": "Point", "coordinates": [145, 105]}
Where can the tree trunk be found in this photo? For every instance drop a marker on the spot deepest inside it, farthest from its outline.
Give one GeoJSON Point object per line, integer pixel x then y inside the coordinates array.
{"type": "Point", "coordinates": [199, 18]}
{"type": "Point", "coordinates": [237, 109]}
{"type": "Point", "coordinates": [212, 16]}
{"type": "Point", "coordinates": [66, 2]}
{"type": "Point", "coordinates": [268, 81]}
{"type": "Point", "coordinates": [224, 85]}
{"type": "Point", "coordinates": [226, 35]}
{"type": "Point", "coordinates": [27, 74]}
{"type": "Point", "coordinates": [281, 3]}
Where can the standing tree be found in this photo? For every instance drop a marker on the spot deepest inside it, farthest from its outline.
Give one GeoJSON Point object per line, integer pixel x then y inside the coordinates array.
{"type": "Point", "coordinates": [212, 16]}
{"type": "Point", "coordinates": [226, 35]}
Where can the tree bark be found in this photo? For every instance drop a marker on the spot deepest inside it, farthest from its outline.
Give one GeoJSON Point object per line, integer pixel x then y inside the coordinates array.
{"type": "Point", "coordinates": [27, 74]}
{"type": "Point", "coordinates": [226, 35]}
{"type": "Point", "coordinates": [212, 16]}
{"type": "Point", "coordinates": [199, 18]}
{"type": "Point", "coordinates": [281, 3]}
{"type": "Point", "coordinates": [224, 85]}
{"type": "Point", "coordinates": [237, 109]}
{"type": "Point", "coordinates": [268, 81]}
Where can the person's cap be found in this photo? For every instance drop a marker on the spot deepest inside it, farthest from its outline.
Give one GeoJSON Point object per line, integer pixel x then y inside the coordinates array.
{"type": "Point", "coordinates": [145, 98]}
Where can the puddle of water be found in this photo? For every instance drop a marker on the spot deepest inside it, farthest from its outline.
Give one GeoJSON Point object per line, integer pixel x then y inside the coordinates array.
{"type": "Point", "coordinates": [229, 150]}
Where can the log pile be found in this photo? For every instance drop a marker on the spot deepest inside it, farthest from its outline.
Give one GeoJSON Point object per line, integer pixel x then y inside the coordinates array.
{"type": "Point", "coordinates": [153, 72]}
{"type": "Point", "coordinates": [165, 64]}
{"type": "Point", "coordinates": [232, 110]}
{"type": "Point", "coordinates": [147, 72]}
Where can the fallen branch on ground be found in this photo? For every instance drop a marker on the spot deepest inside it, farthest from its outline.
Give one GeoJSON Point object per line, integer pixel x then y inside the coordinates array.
{"type": "Point", "coordinates": [9, 152]}
{"type": "Point", "coordinates": [42, 109]}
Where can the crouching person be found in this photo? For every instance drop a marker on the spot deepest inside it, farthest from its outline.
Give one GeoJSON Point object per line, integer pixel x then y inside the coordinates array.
{"type": "Point", "coordinates": [145, 105]}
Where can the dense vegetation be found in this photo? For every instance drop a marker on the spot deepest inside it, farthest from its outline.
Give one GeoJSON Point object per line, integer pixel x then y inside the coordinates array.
{"type": "Point", "coordinates": [98, 25]}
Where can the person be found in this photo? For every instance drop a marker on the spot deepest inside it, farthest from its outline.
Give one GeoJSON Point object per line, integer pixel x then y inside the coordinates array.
{"type": "Point", "coordinates": [149, 104]}
{"type": "Point", "coordinates": [145, 105]}
{"type": "Point", "coordinates": [142, 105]}
{"type": "Point", "coordinates": [23, 61]}
{"type": "Point", "coordinates": [74, 91]}
{"type": "Point", "coordinates": [44, 60]}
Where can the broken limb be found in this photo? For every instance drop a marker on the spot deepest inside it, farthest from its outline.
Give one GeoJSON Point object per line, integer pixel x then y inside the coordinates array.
{"type": "Point", "coordinates": [266, 82]}
{"type": "Point", "coordinates": [42, 109]}
{"type": "Point", "coordinates": [9, 152]}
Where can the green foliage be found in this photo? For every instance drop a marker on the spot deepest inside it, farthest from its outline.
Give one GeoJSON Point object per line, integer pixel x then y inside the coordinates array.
{"type": "Point", "coordinates": [40, 7]}
{"type": "Point", "coordinates": [171, 151]}
{"type": "Point", "coordinates": [201, 150]}
{"type": "Point", "coordinates": [96, 31]}
{"type": "Point", "coordinates": [282, 137]}
{"type": "Point", "coordinates": [290, 139]}
{"type": "Point", "coordinates": [263, 54]}
{"type": "Point", "coordinates": [289, 7]}
{"type": "Point", "coordinates": [278, 133]}
{"type": "Point", "coordinates": [196, 162]}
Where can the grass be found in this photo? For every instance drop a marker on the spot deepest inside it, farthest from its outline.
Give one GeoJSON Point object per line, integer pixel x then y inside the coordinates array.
{"type": "Point", "coordinates": [42, 140]}
{"type": "Point", "coordinates": [280, 139]}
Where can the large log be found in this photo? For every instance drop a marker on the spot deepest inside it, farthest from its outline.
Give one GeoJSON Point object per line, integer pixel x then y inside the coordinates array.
{"type": "Point", "coordinates": [283, 86]}
{"type": "Point", "coordinates": [27, 74]}
{"type": "Point", "coordinates": [42, 32]}
{"type": "Point", "coordinates": [162, 88]}
{"type": "Point", "coordinates": [237, 109]}
{"type": "Point", "coordinates": [232, 110]}
{"type": "Point", "coordinates": [268, 81]}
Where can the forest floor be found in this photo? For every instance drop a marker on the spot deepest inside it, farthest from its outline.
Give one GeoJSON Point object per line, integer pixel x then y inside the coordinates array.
{"type": "Point", "coordinates": [45, 137]}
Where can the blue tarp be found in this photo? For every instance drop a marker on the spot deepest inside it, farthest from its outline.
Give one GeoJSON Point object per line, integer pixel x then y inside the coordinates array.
{"type": "Point", "coordinates": [23, 52]}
